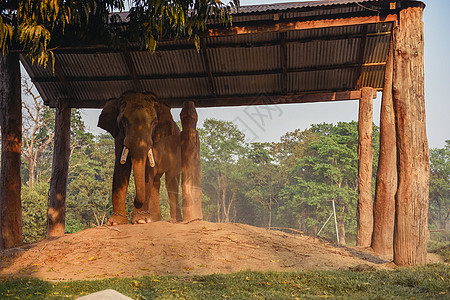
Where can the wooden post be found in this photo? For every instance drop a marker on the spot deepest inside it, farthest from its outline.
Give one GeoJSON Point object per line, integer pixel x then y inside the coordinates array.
{"type": "Point", "coordinates": [190, 164]}
{"type": "Point", "coordinates": [411, 201]}
{"type": "Point", "coordinates": [365, 155]}
{"type": "Point", "coordinates": [386, 186]}
{"type": "Point", "coordinates": [11, 127]}
{"type": "Point", "coordinates": [56, 214]}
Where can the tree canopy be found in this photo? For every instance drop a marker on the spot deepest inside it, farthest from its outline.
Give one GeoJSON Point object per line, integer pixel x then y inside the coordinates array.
{"type": "Point", "coordinates": [36, 27]}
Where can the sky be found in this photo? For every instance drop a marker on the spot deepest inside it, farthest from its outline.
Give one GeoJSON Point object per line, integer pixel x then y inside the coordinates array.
{"type": "Point", "coordinates": [268, 124]}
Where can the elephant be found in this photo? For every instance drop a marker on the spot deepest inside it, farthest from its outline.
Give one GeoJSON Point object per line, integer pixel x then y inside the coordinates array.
{"type": "Point", "coordinates": [147, 140]}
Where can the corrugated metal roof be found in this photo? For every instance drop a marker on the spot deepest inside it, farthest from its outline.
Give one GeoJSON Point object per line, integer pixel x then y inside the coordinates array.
{"type": "Point", "coordinates": [231, 66]}
{"type": "Point", "coordinates": [294, 5]}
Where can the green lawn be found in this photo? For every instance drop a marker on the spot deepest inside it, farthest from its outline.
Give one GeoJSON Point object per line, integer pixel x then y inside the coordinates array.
{"type": "Point", "coordinates": [426, 282]}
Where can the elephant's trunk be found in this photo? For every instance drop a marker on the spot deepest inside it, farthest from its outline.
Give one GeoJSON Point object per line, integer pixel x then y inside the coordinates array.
{"type": "Point", "coordinates": [139, 179]}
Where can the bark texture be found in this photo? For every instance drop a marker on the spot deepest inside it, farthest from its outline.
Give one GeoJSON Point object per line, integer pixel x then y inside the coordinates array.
{"type": "Point", "coordinates": [411, 201]}
{"type": "Point", "coordinates": [11, 127]}
{"type": "Point", "coordinates": [190, 164]}
{"type": "Point", "coordinates": [56, 214]}
{"type": "Point", "coordinates": [386, 186]}
{"type": "Point", "coordinates": [365, 155]}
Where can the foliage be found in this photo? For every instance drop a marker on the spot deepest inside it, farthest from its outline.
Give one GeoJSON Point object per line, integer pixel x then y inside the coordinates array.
{"type": "Point", "coordinates": [37, 26]}
{"type": "Point", "coordinates": [34, 211]}
{"type": "Point", "coordinates": [426, 282]}
{"type": "Point", "coordinates": [221, 150]}
{"type": "Point", "coordinates": [327, 170]}
{"type": "Point", "coordinates": [440, 186]}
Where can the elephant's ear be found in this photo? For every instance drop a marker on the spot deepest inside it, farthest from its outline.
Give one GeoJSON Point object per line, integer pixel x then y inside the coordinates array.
{"type": "Point", "coordinates": [108, 117]}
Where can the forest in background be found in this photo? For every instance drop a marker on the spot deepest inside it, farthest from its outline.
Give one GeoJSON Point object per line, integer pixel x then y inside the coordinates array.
{"type": "Point", "coordinates": [289, 183]}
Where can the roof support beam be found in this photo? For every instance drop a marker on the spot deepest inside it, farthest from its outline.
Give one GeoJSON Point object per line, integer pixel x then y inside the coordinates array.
{"type": "Point", "coordinates": [211, 85]}
{"type": "Point", "coordinates": [300, 25]}
{"type": "Point", "coordinates": [361, 50]}
{"type": "Point", "coordinates": [243, 100]}
{"type": "Point", "coordinates": [61, 77]}
{"type": "Point", "coordinates": [283, 62]}
{"type": "Point", "coordinates": [171, 47]}
{"type": "Point", "coordinates": [131, 69]}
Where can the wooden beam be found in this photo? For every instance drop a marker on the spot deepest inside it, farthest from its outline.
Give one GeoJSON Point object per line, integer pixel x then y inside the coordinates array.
{"type": "Point", "coordinates": [67, 80]}
{"type": "Point", "coordinates": [413, 157]}
{"type": "Point", "coordinates": [11, 139]}
{"type": "Point", "coordinates": [241, 100]}
{"type": "Point", "coordinates": [386, 184]}
{"type": "Point", "coordinates": [56, 214]}
{"type": "Point", "coordinates": [62, 78]}
{"type": "Point", "coordinates": [361, 50]}
{"type": "Point", "coordinates": [207, 66]}
{"type": "Point", "coordinates": [300, 25]}
{"type": "Point", "coordinates": [131, 69]}
{"type": "Point", "coordinates": [283, 62]}
{"type": "Point", "coordinates": [364, 213]}
{"type": "Point", "coordinates": [191, 46]}
{"type": "Point", "coordinates": [246, 100]}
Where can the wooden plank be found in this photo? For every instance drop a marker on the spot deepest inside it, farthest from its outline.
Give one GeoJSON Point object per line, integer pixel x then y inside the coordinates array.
{"type": "Point", "coordinates": [131, 69]}
{"type": "Point", "coordinates": [361, 50]}
{"type": "Point", "coordinates": [300, 25]}
{"type": "Point", "coordinates": [283, 62]}
{"type": "Point", "coordinates": [61, 78]}
{"type": "Point", "coordinates": [261, 99]}
{"type": "Point", "coordinates": [241, 100]}
{"type": "Point", "coordinates": [207, 66]}
{"type": "Point", "coordinates": [99, 49]}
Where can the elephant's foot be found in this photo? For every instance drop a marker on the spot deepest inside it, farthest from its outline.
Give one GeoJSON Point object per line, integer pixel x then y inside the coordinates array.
{"type": "Point", "coordinates": [117, 219]}
{"type": "Point", "coordinates": [141, 217]}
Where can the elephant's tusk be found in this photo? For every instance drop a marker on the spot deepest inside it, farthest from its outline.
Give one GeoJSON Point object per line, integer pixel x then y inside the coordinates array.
{"type": "Point", "coordinates": [123, 157]}
{"type": "Point", "coordinates": [151, 159]}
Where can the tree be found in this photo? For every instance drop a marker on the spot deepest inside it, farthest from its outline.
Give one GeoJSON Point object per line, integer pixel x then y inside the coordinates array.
{"type": "Point", "coordinates": [292, 146]}
{"type": "Point", "coordinates": [260, 185]}
{"type": "Point", "coordinates": [37, 26]}
{"type": "Point", "coordinates": [221, 148]}
{"type": "Point", "coordinates": [327, 171]}
{"type": "Point", "coordinates": [440, 186]}
{"type": "Point", "coordinates": [34, 142]}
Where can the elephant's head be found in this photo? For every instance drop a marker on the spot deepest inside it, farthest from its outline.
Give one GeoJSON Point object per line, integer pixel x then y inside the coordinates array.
{"type": "Point", "coordinates": [131, 120]}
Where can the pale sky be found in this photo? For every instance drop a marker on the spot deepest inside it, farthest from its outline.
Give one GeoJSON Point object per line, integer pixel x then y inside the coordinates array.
{"type": "Point", "coordinates": [288, 117]}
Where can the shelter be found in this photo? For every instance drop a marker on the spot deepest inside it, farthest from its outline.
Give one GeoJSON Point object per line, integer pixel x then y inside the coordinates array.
{"type": "Point", "coordinates": [298, 52]}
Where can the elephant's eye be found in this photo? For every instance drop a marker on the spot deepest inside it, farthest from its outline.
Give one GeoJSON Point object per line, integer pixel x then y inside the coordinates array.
{"type": "Point", "coordinates": [123, 122]}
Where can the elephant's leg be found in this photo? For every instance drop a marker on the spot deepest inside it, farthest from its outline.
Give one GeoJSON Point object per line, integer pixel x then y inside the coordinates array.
{"type": "Point", "coordinates": [154, 204]}
{"type": "Point", "coordinates": [172, 185]}
{"type": "Point", "coordinates": [121, 178]}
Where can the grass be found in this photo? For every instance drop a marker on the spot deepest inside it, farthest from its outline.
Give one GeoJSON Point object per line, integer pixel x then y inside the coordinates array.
{"type": "Point", "coordinates": [426, 282]}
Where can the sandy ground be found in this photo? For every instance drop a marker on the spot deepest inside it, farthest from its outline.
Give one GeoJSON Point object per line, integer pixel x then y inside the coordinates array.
{"type": "Point", "coordinates": [164, 248]}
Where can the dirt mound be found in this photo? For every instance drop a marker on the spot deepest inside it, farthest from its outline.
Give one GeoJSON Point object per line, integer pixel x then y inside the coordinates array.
{"type": "Point", "coordinates": [165, 248]}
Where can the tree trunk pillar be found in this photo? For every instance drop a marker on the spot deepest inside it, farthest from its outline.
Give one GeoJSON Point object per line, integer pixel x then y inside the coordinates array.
{"type": "Point", "coordinates": [11, 127]}
{"type": "Point", "coordinates": [386, 186]}
{"type": "Point", "coordinates": [365, 155]}
{"type": "Point", "coordinates": [56, 214]}
{"type": "Point", "coordinates": [190, 164]}
{"type": "Point", "coordinates": [411, 201]}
